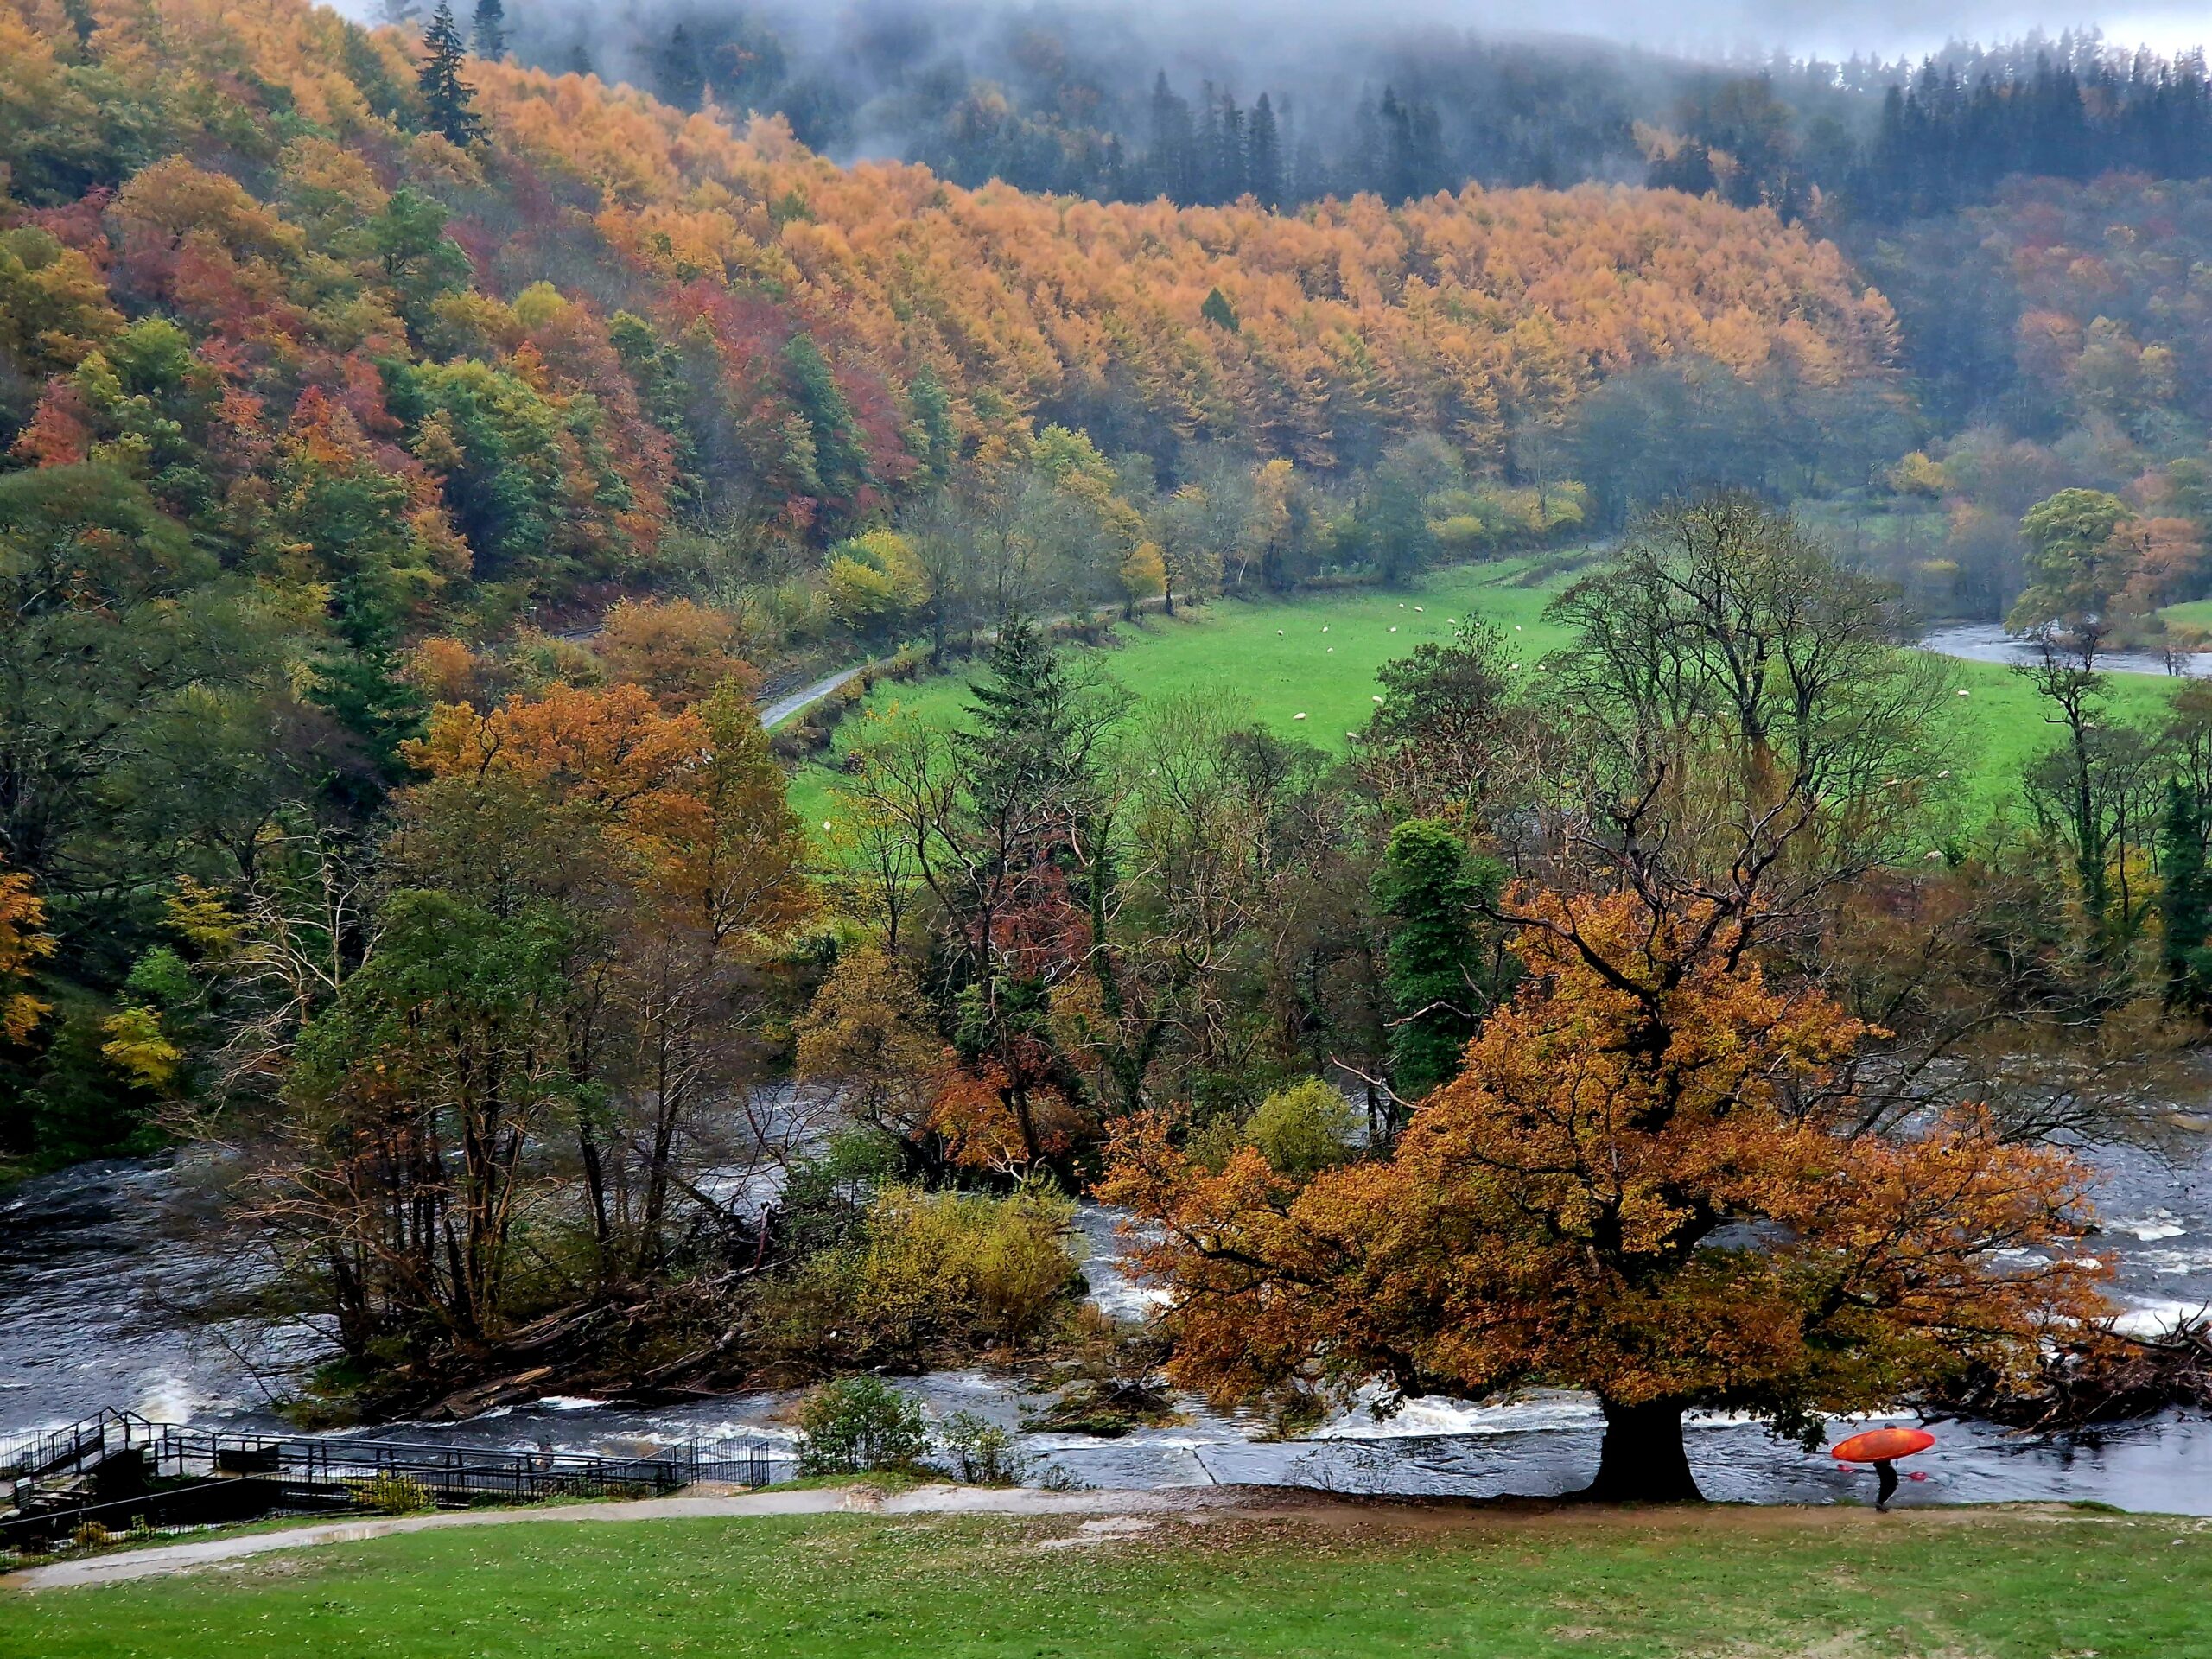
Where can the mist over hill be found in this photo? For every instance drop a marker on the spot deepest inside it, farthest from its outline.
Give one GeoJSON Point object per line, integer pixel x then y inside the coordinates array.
{"type": "Point", "coordinates": [1119, 104]}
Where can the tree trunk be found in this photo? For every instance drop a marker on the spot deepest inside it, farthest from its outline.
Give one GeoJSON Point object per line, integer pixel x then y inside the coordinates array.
{"type": "Point", "coordinates": [1642, 1460]}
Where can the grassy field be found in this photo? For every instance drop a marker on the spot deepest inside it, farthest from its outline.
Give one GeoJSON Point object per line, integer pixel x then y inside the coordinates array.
{"type": "Point", "coordinates": [1270, 656]}
{"type": "Point", "coordinates": [2196, 613]}
{"type": "Point", "coordinates": [2000, 725]}
{"type": "Point", "coordinates": [1724, 1584]}
{"type": "Point", "coordinates": [1276, 660]}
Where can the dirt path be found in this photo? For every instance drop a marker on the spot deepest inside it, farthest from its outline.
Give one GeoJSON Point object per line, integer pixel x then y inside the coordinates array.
{"type": "Point", "coordinates": [774, 713]}
{"type": "Point", "coordinates": [1118, 1507]}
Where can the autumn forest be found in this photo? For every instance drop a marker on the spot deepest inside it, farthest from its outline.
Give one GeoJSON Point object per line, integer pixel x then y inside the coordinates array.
{"type": "Point", "coordinates": [431, 446]}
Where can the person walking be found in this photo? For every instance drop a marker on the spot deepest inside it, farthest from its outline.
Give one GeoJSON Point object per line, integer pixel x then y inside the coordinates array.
{"type": "Point", "coordinates": [1883, 1447]}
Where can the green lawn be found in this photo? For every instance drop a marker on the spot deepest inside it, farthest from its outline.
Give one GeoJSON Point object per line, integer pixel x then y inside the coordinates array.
{"type": "Point", "coordinates": [2001, 728]}
{"type": "Point", "coordinates": [1273, 658]}
{"type": "Point", "coordinates": [1724, 1584]}
{"type": "Point", "coordinates": [2196, 613]}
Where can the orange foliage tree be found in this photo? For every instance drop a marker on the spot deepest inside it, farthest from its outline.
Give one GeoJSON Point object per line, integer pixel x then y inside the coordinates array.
{"type": "Point", "coordinates": [23, 942]}
{"type": "Point", "coordinates": [1649, 1182]}
{"type": "Point", "coordinates": [664, 842]}
{"type": "Point", "coordinates": [677, 649]}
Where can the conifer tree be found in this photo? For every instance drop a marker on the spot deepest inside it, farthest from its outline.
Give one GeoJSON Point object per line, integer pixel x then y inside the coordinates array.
{"type": "Point", "coordinates": [936, 439]}
{"type": "Point", "coordinates": [841, 458]}
{"type": "Point", "coordinates": [1263, 162]}
{"type": "Point", "coordinates": [488, 30]}
{"type": "Point", "coordinates": [2186, 901]}
{"type": "Point", "coordinates": [1172, 160]}
{"type": "Point", "coordinates": [1025, 746]}
{"type": "Point", "coordinates": [1441, 984]}
{"type": "Point", "coordinates": [448, 103]}
{"type": "Point", "coordinates": [359, 684]}
{"type": "Point", "coordinates": [681, 71]}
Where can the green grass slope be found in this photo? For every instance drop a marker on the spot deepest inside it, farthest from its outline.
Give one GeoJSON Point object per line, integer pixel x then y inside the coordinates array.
{"type": "Point", "coordinates": [1506, 1584]}
{"type": "Point", "coordinates": [2000, 726]}
{"type": "Point", "coordinates": [2194, 614]}
{"type": "Point", "coordinates": [1279, 659]}
{"type": "Point", "coordinates": [1318, 656]}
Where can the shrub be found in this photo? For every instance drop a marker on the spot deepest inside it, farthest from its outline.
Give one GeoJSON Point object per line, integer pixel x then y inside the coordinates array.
{"type": "Point", "coordinates": [392, 1494]}
{"type": "Point", "coordinates": [980, 1451]}
{"type": "Point", "coordinates": [857, 1426]}
{"type": "Point", "coordinates": [798, 738]}
{"type": "Point", "coordinates": [91, 1536]}
{"type": "Point", "coordinates": [929, 1275]}
{"type": "Point", "coordinates": [1301, 1130]}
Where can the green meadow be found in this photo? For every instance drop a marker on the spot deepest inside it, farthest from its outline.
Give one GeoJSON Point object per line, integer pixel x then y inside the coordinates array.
{"type": "Point", "coordinates": [1479, 1584]}
{"type": "Point", "coordinates": [1316, 657]}
{"type": "Point", "coordinates": [2194, 614]}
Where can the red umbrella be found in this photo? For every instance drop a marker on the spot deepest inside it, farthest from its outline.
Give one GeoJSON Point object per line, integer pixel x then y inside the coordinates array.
{"type": "Point", "coordinates": [1883, 1446]}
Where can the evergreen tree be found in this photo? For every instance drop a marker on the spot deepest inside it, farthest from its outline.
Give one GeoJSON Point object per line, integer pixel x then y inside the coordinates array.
{"type": "Point", "coordinates": [2186, 901]}
{"type": "Point", "coordinates": [655, 369]}
{"type": "Point", "coordinates": [1263, 162]}
{"type": "Point", "coordinates": [1113, 173]}
{"type": "Point", "coordinates": [360, 687]}
{"type": "Point", "coordinates": [488, 30]}
{"type": "Point", "coordinates": [840, 460]}
{"type": "Point", "coordinates": [1397, 180]}
{"type": "Point", "coordinates": [1217, 310]}
{"type": "Point", "coordinates": [680, 74]}
{"type": "Point", "coordinates": [1427, 168]}
{"type": "Point", "coordinates": [1025, 750]}
{"type": "Point", "coordinates": [447, 103]}
{"type": "Point", "coordinates": [1439, 979]}
{"type": "Point", "coordinates": [1363, 165]}
{"type": "Point", "coordinates": [1221, 149]}
{"type": "Point", "coordinates": [1024, 857]}
{"type": "Point", "coordinates": [1171, 165]}
{"type": "Point", "coordinates": [936, 439]}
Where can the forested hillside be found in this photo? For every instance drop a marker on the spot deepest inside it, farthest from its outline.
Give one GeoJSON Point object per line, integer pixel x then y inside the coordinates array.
{"type": "Point", "coordinates": [335, 366]}
{"type": "Point", "coordinates": [1340, 330]}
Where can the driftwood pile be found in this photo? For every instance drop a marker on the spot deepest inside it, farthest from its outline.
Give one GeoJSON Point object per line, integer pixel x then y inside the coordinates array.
{"type": "Point", "coordinates": [2103, 1376]}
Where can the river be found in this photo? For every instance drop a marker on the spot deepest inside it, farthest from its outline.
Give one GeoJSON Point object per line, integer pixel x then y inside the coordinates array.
{"type": "Point", "coordinates": [1987, 642]}
{"type": "Point", "coordinates": [98, 1262]}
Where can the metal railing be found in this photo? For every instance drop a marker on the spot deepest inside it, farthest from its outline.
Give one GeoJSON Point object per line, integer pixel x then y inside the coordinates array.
{"type": "Point", "coordinates": [42, 1455]}
{"type": "Point", "coordinates": [198, 1476]}
{"type": "Point", "coordinates": [177, 1509]}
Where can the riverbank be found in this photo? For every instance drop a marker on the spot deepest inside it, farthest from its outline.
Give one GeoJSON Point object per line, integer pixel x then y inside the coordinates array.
{"type": "Point", "coordinates": [98, 1267]}
{"type": "Point", "coordinates": [1268, 1573]}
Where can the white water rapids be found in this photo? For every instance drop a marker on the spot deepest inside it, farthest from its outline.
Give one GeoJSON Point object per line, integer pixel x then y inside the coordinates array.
{"type": "Point", "coordinates": [97, 1264]}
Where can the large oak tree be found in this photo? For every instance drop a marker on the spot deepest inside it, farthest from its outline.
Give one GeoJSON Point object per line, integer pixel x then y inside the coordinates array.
{"type": "Point", "coordinates": [1650, 1182]}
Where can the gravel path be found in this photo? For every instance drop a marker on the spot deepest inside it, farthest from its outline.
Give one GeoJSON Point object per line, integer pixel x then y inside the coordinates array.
{"type": "Point", "coordinates": [789, 704]}
{"type": "Point", "coordinates": [774, 713]}
{"type": "Point", "coordinates": [1109, 1507]}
